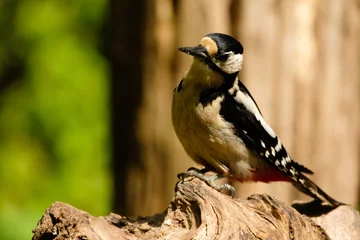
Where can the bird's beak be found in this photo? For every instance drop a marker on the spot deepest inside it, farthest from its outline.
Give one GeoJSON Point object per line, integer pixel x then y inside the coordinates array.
{"type": "Point", "coordinates": [198, 51]}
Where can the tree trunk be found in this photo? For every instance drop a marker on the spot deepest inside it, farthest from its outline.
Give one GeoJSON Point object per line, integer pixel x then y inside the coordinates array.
{"type": "Point", "coordinates": [200, 212]}
{"type": "Point", "coordinates": [126, 49]}
{"type": "Point", "coordinates": [301, 61]}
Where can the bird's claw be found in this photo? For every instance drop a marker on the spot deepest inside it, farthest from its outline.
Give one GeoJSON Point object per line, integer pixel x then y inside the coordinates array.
{"type": "Point", "coordinates": [228, 188]}
{"type": "Point", "coordinates": [208, 179]}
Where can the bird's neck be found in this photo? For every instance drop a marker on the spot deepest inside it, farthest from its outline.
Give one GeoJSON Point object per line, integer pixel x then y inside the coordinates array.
{"type": "Point", "coordinates": [201, 75]}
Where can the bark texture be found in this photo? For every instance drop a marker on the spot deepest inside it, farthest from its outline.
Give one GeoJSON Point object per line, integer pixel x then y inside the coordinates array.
{"type": "Point", "coordinates": [200, 212]}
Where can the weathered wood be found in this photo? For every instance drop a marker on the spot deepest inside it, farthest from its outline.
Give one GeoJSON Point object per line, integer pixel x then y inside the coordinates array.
{"type": "Point", "coordinates": [199, 212]}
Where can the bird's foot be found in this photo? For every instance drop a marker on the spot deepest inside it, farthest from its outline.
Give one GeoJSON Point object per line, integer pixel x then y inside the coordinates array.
{"type": "Point", "coordinates": [208, 179]}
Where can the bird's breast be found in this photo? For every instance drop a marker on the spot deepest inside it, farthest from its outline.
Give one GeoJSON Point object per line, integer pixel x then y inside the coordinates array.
{"type": "Point", "coordinates": [207, 137]}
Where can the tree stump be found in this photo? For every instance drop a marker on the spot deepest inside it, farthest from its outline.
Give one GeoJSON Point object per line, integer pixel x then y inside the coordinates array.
{"type": "Point", "coordinates": [200, 212]}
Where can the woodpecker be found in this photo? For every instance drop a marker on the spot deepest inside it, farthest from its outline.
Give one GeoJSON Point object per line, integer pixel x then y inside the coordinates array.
{"type": "Point", "coordinates": [220, 125]}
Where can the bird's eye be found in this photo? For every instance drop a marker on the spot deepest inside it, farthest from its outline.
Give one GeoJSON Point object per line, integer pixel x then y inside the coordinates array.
{"type": "Point", "coordinates": [222, 57]}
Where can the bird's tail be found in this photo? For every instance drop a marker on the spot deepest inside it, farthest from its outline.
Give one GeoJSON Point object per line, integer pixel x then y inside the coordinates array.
{"type": "Point", "coordinates": [308, 187]}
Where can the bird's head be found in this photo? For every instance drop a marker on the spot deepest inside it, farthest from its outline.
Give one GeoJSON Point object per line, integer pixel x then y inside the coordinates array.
{"type": "Point", "coordinates": [219, 51]}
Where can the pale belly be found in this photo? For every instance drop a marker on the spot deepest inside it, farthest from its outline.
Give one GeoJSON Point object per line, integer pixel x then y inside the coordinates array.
{"type": "Point", "coordinates": [211, 141]}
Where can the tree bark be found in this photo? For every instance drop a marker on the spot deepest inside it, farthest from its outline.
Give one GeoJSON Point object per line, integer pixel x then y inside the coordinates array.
{"type": "Point", "coordinates": [301, 65]}
{"type": "Point", "coordinates": [200, 212]}
{"type": "Point", "coordinates": [126, 49]}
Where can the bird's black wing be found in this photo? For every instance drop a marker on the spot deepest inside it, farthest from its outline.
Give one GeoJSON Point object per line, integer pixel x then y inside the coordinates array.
{"type": "Point", "coordinates": [255, 133]}
{"type": "Point", "coordinates": [252, 129]}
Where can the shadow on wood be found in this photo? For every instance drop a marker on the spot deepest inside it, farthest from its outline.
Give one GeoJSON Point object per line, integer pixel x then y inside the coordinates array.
{"type": "Point", "coordinates": [200, 212]}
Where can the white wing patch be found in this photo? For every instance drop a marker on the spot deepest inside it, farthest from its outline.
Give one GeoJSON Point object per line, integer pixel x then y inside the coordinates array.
{"type": "Point", "coordinates": [266, 126]}
{"type": "Point", "coordinates": [278, 145]}
{"type": "Point", "coordinates": [273, 151]}
{"type": "Point", "coordinates": [246, 100]}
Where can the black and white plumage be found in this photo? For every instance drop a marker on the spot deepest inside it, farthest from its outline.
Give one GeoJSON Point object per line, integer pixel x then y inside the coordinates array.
{"type": "Point", "coordinates": [221, 127]}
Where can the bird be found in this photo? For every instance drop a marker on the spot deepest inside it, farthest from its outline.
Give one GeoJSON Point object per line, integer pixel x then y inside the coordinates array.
{"type": "Point", "coordinates": [220, 126]}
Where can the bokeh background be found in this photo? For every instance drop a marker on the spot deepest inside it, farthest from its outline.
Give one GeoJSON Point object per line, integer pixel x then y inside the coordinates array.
{"type": "Point", "coordinates": [86, 87]}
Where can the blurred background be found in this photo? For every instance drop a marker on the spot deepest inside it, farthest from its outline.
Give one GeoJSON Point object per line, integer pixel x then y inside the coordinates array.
{"type": "Point", "coordinates": [86, 88]}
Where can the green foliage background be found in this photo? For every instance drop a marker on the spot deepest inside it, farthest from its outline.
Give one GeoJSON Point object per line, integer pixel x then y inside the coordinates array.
{"type": "Point", "coordinates": [54, 114]}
